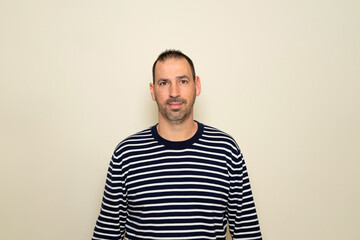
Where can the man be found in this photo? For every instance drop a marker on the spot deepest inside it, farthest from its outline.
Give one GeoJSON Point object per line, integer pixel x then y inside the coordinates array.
{"type": "Point", "coordinates": [179, 179]}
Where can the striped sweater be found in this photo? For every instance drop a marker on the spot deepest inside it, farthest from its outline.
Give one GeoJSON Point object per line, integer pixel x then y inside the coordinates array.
{"type": "Point", "coordinates": [163, 190]}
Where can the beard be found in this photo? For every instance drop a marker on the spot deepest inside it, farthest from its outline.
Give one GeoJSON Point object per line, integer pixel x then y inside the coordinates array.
{"type": "Point", "coordinates": [176, 116]}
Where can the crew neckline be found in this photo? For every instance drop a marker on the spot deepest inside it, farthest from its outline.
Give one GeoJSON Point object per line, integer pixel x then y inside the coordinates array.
{"type": "Point", "coordinates": [177, 144]}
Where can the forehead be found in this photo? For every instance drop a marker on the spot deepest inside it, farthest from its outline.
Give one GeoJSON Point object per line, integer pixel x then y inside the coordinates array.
{"type": "Point", "coordinates": [172, 66]}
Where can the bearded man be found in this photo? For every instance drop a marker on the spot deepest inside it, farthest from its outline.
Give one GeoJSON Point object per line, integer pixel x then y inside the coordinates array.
{"type": "Point", "coordinates": [179, 179]}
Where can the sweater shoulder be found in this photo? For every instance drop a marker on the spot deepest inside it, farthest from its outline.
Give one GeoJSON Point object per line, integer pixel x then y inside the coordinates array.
{"type": "Point", "coordinates": [212, 133]}
{"type": "Point", "coordinates": [225, 141]}
{"type": "Point", "coordinates": [133, 141]}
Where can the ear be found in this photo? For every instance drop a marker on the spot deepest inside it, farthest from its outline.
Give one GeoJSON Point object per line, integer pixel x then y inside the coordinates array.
{"type": "Point", "coordinates": [152, 92]}
{"type": "Point", "coordinates": [197, 85]}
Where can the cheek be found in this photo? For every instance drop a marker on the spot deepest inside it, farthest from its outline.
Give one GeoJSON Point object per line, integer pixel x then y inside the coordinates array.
{"type": "Point", "coordinates": [159, 96]}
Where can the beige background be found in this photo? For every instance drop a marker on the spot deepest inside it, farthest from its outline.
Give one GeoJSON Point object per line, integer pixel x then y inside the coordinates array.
{"type": "Point", "coordinates": [282, 77]}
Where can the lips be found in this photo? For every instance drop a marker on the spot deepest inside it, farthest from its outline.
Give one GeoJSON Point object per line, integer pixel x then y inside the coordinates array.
{"type": "Point", "coordinates": [175, 105]}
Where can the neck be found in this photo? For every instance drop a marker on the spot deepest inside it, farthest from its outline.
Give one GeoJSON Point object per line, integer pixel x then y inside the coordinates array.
{"type": "Point", "coordinates": [177, 132]}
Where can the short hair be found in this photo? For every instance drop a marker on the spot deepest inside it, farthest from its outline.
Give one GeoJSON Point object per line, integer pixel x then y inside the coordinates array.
{"type": "Point", "coordinates": [175, 54]}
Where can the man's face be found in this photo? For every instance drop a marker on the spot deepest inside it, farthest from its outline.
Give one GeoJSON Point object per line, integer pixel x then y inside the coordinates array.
{"type": "Point", "coordinates": [174, 90]}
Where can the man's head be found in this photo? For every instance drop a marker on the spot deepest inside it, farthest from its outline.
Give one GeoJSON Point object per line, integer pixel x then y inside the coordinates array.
{"type": "Point", "coordinates": [174, 87]}
{"type": "Point", "coordinates": [175, 54]}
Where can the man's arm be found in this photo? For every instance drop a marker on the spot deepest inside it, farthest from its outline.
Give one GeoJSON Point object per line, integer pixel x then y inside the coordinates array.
{"type": "Point", "coordinates": [111, 221]}
{"type": "Point", "coordinates": [243, 221]}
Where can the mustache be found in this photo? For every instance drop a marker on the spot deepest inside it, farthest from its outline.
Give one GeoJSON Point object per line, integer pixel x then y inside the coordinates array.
{"type": "Point", "coordinates": [175, 99]}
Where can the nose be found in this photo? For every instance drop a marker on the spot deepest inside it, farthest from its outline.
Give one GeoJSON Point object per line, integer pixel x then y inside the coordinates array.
{"type": "Point", "coordinates": [174, 90]}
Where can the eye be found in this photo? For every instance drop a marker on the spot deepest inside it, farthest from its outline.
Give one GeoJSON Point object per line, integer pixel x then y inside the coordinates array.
{"type": "Point", "coordinates": [163, 83]}
{"type": "Point", "coordinates": [183, 81]}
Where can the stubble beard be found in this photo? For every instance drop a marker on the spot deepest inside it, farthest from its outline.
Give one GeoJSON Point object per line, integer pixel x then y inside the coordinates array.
{"type": "Point", "coordinates": [176, 117]}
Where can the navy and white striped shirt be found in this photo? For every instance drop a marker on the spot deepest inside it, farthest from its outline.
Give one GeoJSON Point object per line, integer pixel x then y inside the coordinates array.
{"type": "Point", "coordinates": [163, 190]}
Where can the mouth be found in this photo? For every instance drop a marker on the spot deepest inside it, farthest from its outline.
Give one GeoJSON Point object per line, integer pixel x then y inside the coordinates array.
{"type": "Point", "coordinates": [175, 105]}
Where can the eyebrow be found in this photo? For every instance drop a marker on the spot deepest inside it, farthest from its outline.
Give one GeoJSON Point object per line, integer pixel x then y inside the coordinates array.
{"type": "Point", "coordinates": [162, 79]}
{"type": "Point", "coordinates": [177, 77]}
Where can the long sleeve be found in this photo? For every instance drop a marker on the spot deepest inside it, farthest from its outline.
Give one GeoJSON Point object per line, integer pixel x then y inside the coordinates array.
{"type": "Point", "coordinates": [242, 217]}
{"type": "Point", "coordinates": [111, 221]}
